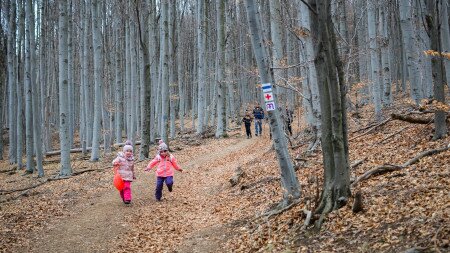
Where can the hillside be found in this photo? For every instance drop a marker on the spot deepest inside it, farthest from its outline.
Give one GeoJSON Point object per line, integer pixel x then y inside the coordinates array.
{"type": "Point", "coordinates": [403, 209]}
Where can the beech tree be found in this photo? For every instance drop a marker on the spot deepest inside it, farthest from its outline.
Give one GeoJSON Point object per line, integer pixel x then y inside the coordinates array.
{"type": "Point", "coordinates": [66, 168]}
{"type": "Point", "coordinates": [289, 180]}
{"type": "Point", "coordinates": [433, 21]}
{"type": "Point", "coordinates": [336, 186]}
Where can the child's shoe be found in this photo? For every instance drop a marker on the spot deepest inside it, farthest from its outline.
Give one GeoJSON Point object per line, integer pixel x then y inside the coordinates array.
{"type": "Point", "coordinates": [127, 202]}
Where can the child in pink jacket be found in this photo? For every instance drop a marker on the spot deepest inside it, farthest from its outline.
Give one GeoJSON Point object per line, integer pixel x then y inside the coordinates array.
{"type": "Point", "coordinates": [124, 163]}
{"type": "Point", "coordinates": [164, 172]}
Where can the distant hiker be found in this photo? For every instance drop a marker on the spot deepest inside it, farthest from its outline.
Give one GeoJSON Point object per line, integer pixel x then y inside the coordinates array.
{"type": "Point", "coordinates": [248, 122]}
{"type": "Point", "coordinates": [258, 114]}
{"type": "Point", "coordinates": [165, 163]}
{"type": "Point", "coordinates": [124, 164]}
{"type": "Point", "coordinates": [288, 117]}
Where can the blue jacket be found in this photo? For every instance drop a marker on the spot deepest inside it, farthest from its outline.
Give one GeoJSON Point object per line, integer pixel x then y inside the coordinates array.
{"type": "Point", "coordinates": [258, 113]}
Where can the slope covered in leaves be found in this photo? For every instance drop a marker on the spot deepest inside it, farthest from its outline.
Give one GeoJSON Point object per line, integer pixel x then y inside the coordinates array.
{"type": "Point", "coordinates": [403, 209]}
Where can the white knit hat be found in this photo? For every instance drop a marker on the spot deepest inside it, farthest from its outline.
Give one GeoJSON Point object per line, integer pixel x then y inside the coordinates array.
{"type": "Point", "coordinates": [127, 146]}
{"type": "Point", "coordinates": [163, 146]}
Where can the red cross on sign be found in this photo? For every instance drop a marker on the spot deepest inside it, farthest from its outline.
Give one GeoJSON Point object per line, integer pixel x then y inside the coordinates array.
{"type": "Point", "coordinates": [268, 96]}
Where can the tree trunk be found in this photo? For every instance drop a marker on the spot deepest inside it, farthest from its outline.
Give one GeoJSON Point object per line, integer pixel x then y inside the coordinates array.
{"type": "Point", "coordinates": [201, 64]}
{"type": "Point", "coordinates": [164, 82]}
{"type": "Point", "coordinates": [336, 189]}
{"type": "Point", "coordinates": [374, 59]}
{"type": "Point", "coordinates": [384, 44]}
{"type": "Point", "coordinates": [408, 40]}
{"type": "Point", "coordinates": [445, 36]}
{"type": "Point", "coordinates": [433, 20]}
{"type": "Point", "coordinates": [98, 83]}
{"type": "Point", "coordinates": [221, 82]}
{"type": "Point", "coordinates": [146, 89]}
{"type": "Point", "coordinates": [28, 99]}
{"type": "Point", "coordinates": [12, 108]}
{"type": "Point", "coordinates": [35, 110]}
{"type": "Point", "coordinates": [288, 177]}
{"type": "Point", "coordinates": [87, 116]}
{"type": "Point", "coordinates": [66, 169]}
{"type": "Point", "coordinates": [312, 99]}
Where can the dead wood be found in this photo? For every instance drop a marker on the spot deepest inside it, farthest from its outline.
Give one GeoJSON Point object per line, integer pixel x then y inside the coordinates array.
{"type": "Point", "coordinates": [6, 171]}
{"type": "Point", "coordinates": [238, 174]}
{"type": "Point", "coordinates": [262, 181]}
{"type": "Point", "coordinates": [79, 150]}
{"type": "Point", "coordinates": [372, 126]}
{"type": "Point", "coordinates": [280, 210]}
{"type": "Point", "coordinates": [389, 136]}
{"type": "Point", "coordinates": [357, 162]}
{"type": "Point", "coordinates": [53, 178]}
{"type": "Point", "coordinates": [370, 129]}
{"type": "Point", "coordinates": [357, 203]}
{"type": "Point", "coordinates": [411, 119]}
{"type": "Point", "coordinates": [389, 167]}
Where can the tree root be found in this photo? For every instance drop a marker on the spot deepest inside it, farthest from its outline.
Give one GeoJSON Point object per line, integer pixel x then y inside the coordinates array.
{"type": "Point", "coordinates": [389, 136]}
{"type": "Point", "coordinates": [370, 129]}
{"type": "Point", "coordinates": [389, 167]}
{"type": "Point", "coordinates": [238, 174]}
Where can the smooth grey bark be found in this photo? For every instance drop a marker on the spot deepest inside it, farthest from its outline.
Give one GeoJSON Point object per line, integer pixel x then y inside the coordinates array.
{"type": "Point", "coordinates": [201, 64]}
{"type": "Point", "coordinates": [361, 14]}
{"type": "Point", "coordinates": [384, 45]}
{"type": "Point", "coordinates": [20, 83]}
{"type": "Point", "coordinates": [12, 108]}
{"type": "Point", "coordinates": [445, 35]}
{"type": "Point", "coordinates": [28, 92]}
{"type": "Point", "coordinates": [230, 58]}
{"type": "Point", "coordinates": [153, 53]}
{"type": "Point", "coordinates": [411, 49]}
{"type": "Point", "coordinates": [221, 82]}
{"type": "Point", "coordinates": [181, 76]}
{"type": "Point", "coordinates": [146, 88]}
{"type": "Point", "coordinates": [164, 82]}
{"type": "Point", "coordinates": [87, 119]}
{"type": "Point", "coordinates": [336, 188]}
{"type": "Point", "coordinates": [423, 43]}
{"type": "Point", "coordinates": [288, 177]}
{"type": "Point", "coordinates": [312, 104]}
{"type": "Point", "coordinates": [127, 88]}
{"type": "Point", "coordinates": [374, 58]}
{"type": "Point", "coordinates": [3, 99]}
{"type": "Point", "coordinates": [98, 82]}
{"type": "Point", "coordinates": [36, 122]}
{"type": "Point", "coordinates": [70, 75]}
{"type": "Point", "coordinates": [133, 83]}
{"type": "Point", "coordinates": [133, 102]}
{"type": "Point", "coordinates": [173, 78]}
{"type": "Point", "coordinates": [433, 20]}
{"type": "Point", "coordinates": [118, 80]}
{"type": "Point", "coordinates": [66, 169]}
{"type": "Point", "coordinates": [276, 35]}
{"type": "Point", "coordinates": [43, 48]}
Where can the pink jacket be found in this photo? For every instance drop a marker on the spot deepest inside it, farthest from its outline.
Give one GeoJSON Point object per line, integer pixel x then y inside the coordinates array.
{"type": "Point", "coordinates": [125, 167]}
{"type": "Point", "coordinates": [165, 165]}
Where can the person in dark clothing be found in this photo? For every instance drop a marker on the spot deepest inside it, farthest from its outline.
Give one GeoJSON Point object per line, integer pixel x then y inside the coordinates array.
{"type": "Point", "coordinates": [288, 117]}
{"type": "Point", "coordinates": [248, 122]}
{"type": "Point", "coordinates": [258, 114]}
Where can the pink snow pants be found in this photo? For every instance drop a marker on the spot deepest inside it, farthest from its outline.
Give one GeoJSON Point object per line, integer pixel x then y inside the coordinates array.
{"type": "Point", "coordinates": [125, 193]}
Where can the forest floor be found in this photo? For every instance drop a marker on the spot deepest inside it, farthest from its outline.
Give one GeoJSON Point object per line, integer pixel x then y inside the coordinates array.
{"type": "Point", "coordinates": [408, 208]}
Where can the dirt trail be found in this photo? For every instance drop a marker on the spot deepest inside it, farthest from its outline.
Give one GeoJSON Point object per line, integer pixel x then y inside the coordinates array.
{"type": "Point", "coordinates": [103, 223]}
